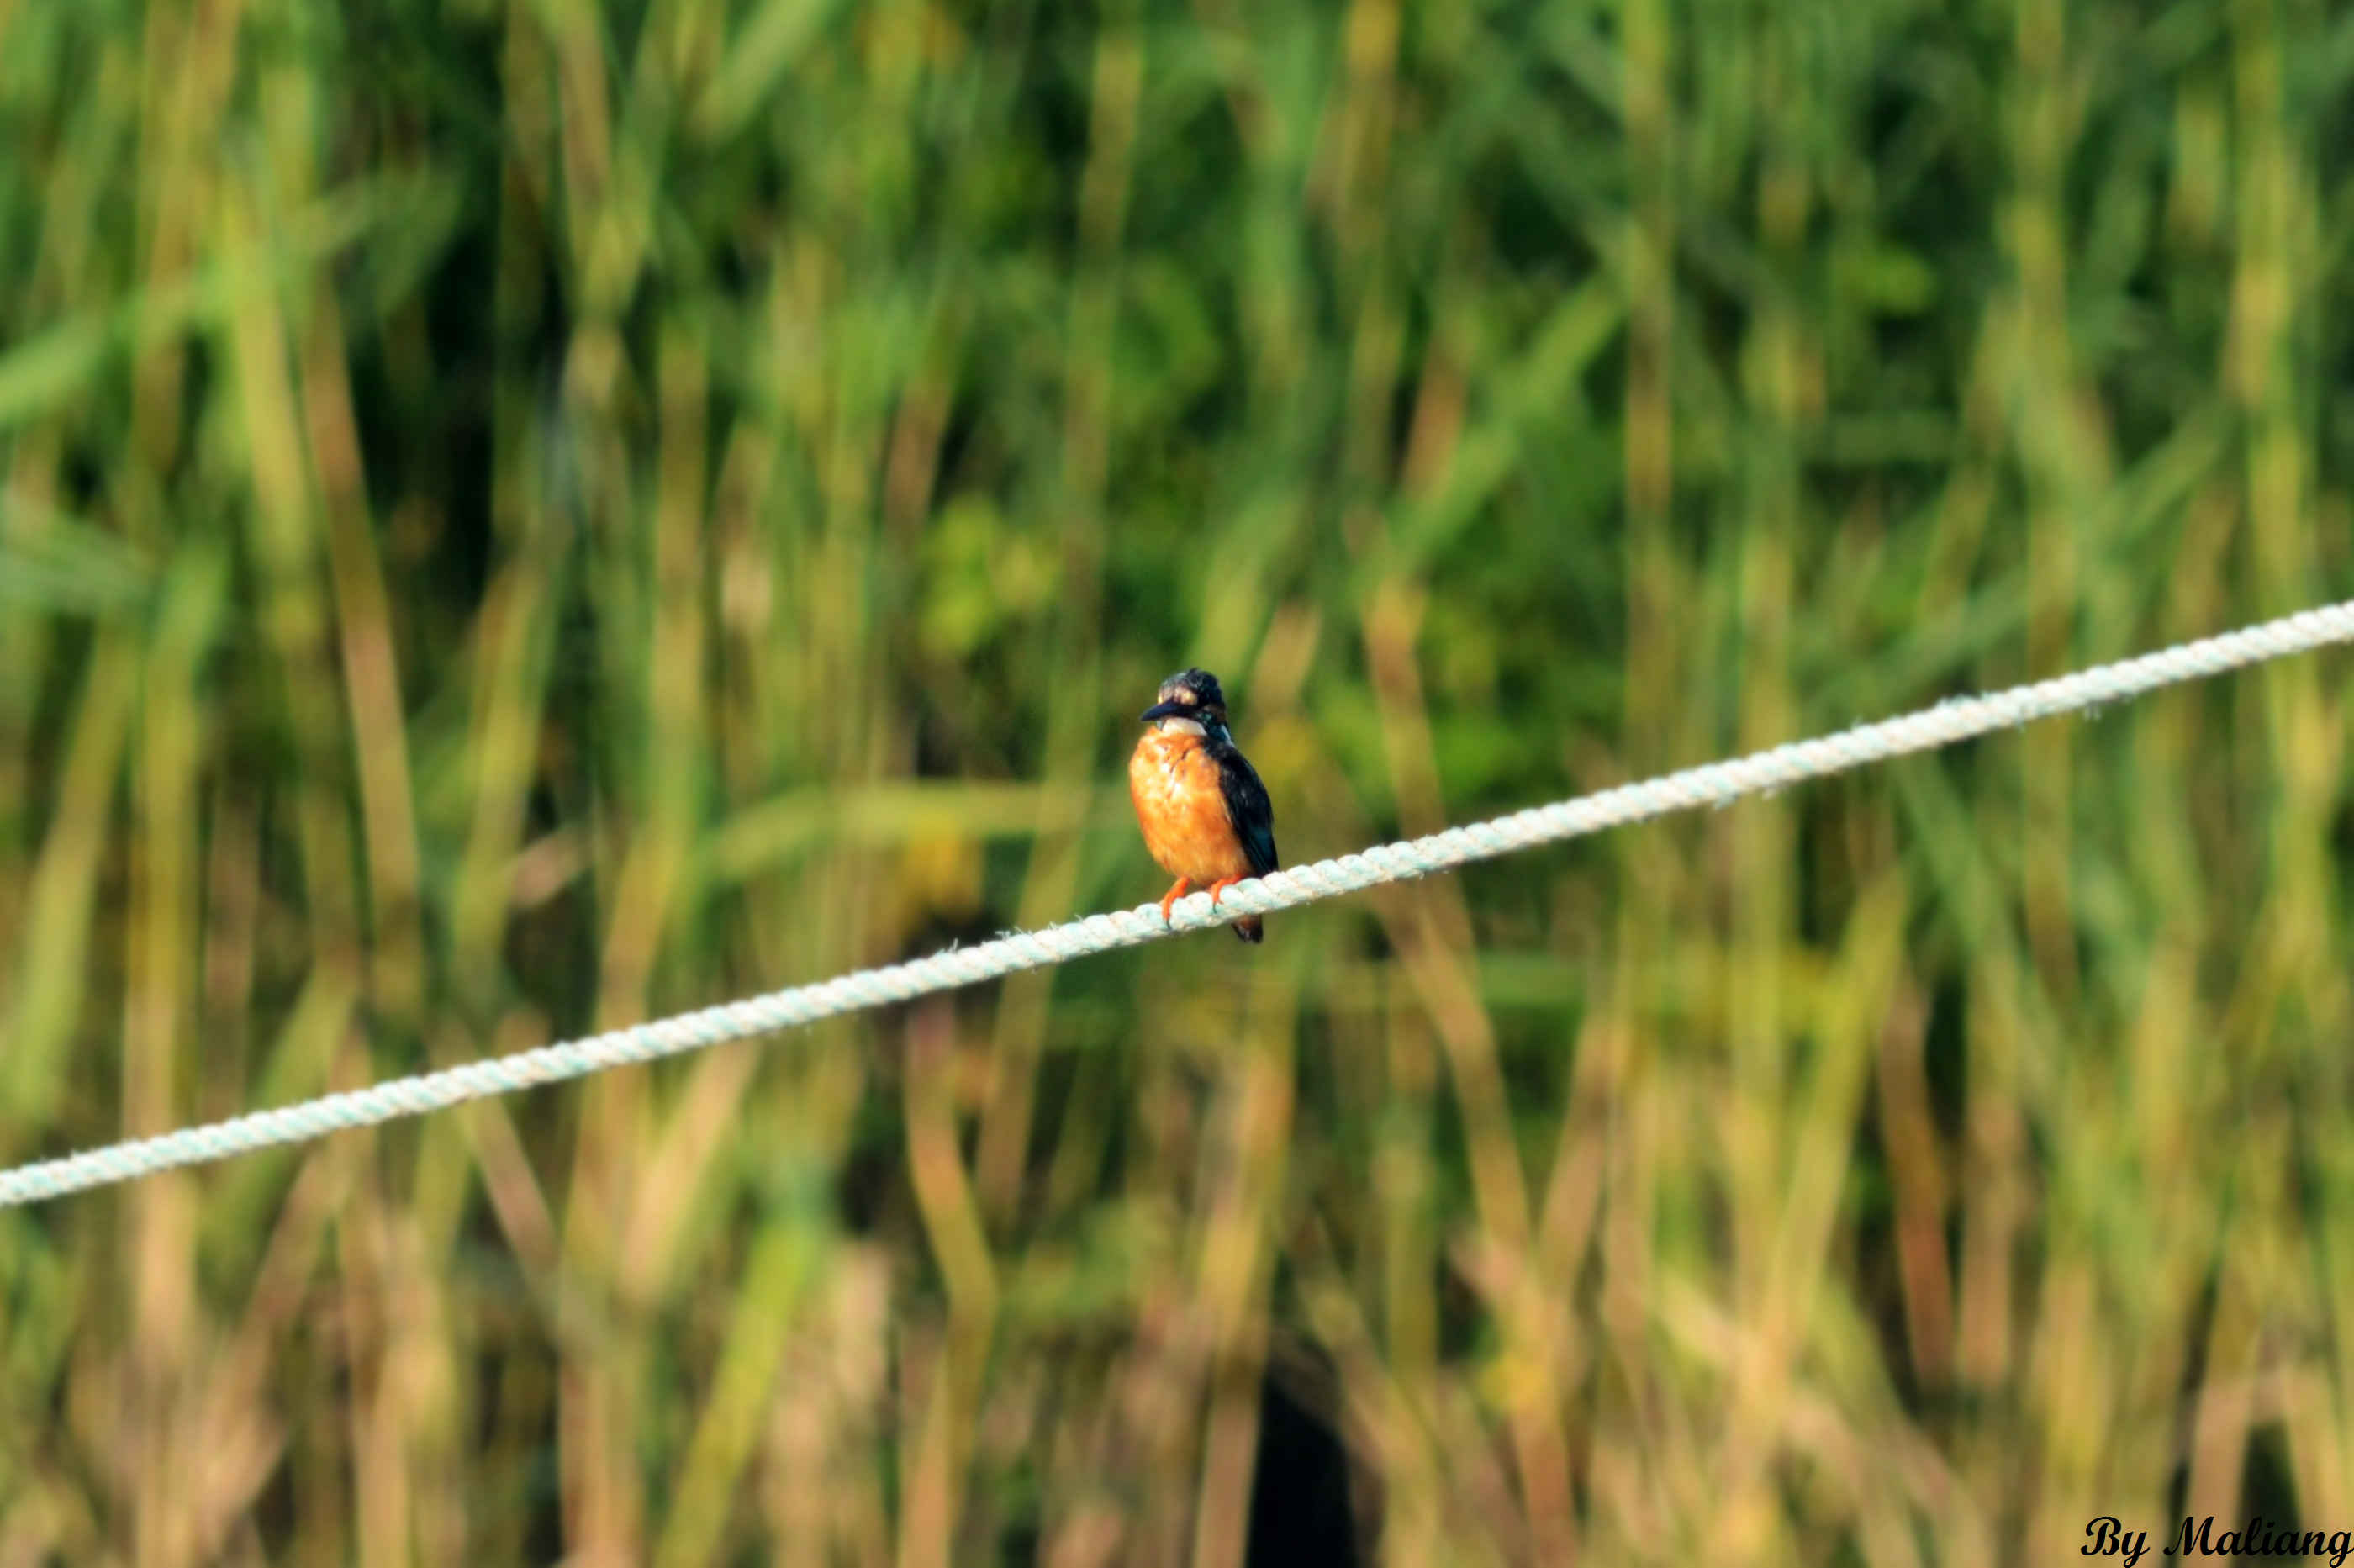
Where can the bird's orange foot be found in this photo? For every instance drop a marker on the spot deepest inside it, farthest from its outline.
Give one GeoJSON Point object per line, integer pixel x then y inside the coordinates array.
{"type": "Point", "coordinates": [1220, 886]}
{"type": "Point", "coordinates": [1171, 896]}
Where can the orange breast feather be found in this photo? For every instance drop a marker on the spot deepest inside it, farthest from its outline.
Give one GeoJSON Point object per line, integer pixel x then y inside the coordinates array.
{"type": "Point", "coordinates": [1182, 808]}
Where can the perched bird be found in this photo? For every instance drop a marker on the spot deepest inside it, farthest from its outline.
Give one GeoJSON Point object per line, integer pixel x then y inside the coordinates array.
{"type": "Point", "coordinates": [1205, 816]}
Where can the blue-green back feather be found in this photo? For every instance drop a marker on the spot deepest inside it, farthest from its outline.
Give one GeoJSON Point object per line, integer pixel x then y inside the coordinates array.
{"type": "Point", "coordinates": [1247, 807]}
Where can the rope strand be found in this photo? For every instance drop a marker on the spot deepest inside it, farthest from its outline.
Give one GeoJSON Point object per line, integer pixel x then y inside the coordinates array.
{"type": "Point", "coordinates": [1716, 784]}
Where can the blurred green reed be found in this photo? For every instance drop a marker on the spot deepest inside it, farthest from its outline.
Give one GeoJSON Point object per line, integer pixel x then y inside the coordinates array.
{"type": "Point", "coordinates": [517, 519]}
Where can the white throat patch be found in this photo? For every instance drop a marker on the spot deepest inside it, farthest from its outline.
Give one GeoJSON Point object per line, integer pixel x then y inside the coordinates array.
{"type": "Point", "coordinates": [1182, 726]}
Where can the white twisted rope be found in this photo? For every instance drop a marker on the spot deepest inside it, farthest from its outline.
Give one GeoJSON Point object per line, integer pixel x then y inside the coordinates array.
{"type": "Point", "coordinates": [1715, 784]}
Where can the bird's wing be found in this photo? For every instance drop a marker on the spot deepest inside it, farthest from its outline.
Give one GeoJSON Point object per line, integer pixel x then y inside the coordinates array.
{"type": "Point", "coordinates": [1248, 809]}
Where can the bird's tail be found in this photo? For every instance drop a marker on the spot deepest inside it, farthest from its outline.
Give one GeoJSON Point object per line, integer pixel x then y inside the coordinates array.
{"type": "Point", "coordinates": [1251, 928]}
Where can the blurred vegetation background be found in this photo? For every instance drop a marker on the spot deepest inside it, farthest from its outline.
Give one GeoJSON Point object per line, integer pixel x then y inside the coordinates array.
{"type": "Point", "coordinates": [516, 519]}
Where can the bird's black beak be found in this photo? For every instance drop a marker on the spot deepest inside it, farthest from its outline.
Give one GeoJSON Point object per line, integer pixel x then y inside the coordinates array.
{"type": "Point", "coordinates": [1166, 710]}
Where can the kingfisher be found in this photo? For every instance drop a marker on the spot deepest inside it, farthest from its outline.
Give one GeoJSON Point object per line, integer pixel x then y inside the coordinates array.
{"type": "Point", "coordinates": [1205, 816]}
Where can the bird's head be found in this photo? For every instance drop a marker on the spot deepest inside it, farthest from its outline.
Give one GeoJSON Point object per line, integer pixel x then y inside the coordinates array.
{"type": "Point", "coordinates": [1189, 700]}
